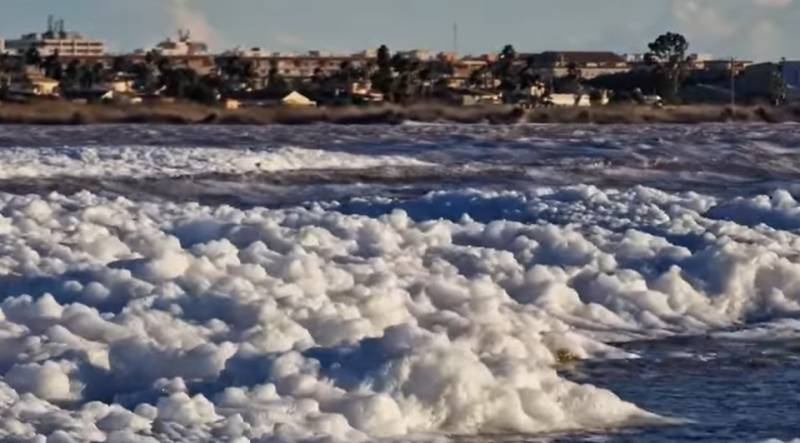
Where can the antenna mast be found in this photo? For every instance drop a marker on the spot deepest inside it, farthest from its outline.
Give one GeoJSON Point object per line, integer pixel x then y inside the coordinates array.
{"type": "Point", "coordinates": [455, 37]}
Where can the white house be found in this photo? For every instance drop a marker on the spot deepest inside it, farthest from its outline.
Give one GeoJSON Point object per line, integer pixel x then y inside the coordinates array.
{"type": "Point", "coordinates": [581, 100]}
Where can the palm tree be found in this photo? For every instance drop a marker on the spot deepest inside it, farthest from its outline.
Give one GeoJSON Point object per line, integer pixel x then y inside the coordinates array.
{"type": "Point", "coordinates": [383, 78]}
{"type": "Point", "coordinates": [144, 77]}
{"type": "Point", "coordinates": [505, 70]}
{"type": "Point", "coordinates": [346, 74]}
{"type": "Point", "coordinates": [406, 83]}
{"type": "Point", "coordinates": [276, 84]}
{"type": "Point", "coordinates": [318, 79]}
{"type": "Point", "coordinates": [32, 57]}
{"type": "Point", "coordinates": [482, 78]}
{"type": "Point", "coordinates": [99, 72]}
{"type": "Point", "coordinates": [71, 76]}
{"type": "Point", "coordinates": [6, 67]}
{"type": "Point", "coordinates": [236, 72]}
{"type": "Point", "coordinates": [52, 66]}
{"type": "Point", "coordinates": [86, 77]}
{"type": "Point", "coordinates": [508, 53]}
{"type": "Point", "coordinates": [121, 64]}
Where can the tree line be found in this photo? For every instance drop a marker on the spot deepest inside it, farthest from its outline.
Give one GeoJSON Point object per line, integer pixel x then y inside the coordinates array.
{"type": "Point", "coordinates": [400, 77]}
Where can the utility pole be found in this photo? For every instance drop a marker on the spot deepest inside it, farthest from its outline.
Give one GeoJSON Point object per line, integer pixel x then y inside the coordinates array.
{"type": "Point", "coordinates": [455, 37]}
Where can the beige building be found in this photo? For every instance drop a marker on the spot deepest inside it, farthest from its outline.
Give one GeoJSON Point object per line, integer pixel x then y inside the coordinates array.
{"type": "Point", "coordinates": [579, 100]}
{"type": "Point", "coordinates": [33, 83]}
{"type": "Point", "coordinates": [183, 46]}
{"type": "Point", "coordinates": [56, 40]}
{"type": "Point", "coordinates": [423, 55]}
{"type": "Point", "coordinates": [463, 69]}
{"type": "Point", "coordinates": [590, 64]}
{"type": "Point", "coordinates": [721, 65]}
{"type": "Point", "coordinates": [304, 66]}
{"type": "Point", "coordinates": [231, 104]}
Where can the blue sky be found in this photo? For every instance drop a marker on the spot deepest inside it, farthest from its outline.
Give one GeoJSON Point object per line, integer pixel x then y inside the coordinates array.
{"type": "Point", "coordinates": [758, 29]}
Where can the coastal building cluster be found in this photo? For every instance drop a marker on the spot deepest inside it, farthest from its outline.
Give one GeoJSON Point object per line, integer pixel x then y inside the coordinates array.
{"type": "Point", "coordinates": [69, 65]}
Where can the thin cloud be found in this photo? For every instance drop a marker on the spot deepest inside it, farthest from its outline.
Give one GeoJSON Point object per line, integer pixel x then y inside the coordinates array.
{"type": "Point", "coordinates": [185, 16]}
{"type": "Point", "coordinates": [742, 27]}
{"type": "Point", "coordinates": [773, 3]}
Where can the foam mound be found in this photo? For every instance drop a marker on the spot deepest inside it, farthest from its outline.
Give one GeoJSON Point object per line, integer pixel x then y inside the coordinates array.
{"type": "Point", "coordinates": [128, 321]}
{"type": "Point", "coordinates": [144, 161]}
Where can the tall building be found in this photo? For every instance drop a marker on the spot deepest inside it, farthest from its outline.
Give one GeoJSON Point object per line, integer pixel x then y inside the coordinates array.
{"type": "Point", "coordinates": [2, 46]}
{"type": "Point", "coordinates": [57, 40]}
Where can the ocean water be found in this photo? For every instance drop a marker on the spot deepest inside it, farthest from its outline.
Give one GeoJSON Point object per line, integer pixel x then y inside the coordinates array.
{"type": "Point", "coordinates": [468, 283]}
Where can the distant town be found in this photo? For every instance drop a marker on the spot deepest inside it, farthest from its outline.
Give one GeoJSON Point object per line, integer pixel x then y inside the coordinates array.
{"type": "Point", "coordinates": [58, 64]}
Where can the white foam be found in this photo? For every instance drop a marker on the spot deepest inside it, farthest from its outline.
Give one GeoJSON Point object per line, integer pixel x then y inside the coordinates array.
{"type": "Point", "coordinates": [144, 161]}
{"type": "Point", "coordinates": [212, 323]}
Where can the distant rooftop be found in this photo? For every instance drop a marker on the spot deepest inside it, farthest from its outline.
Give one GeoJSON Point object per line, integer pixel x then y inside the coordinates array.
{"type": "Point", "coordinates": [56, 30]}
{"type": "Point", "coordinates": [56, 40]}
{"type": "Point", "coordinates": [580, 57]}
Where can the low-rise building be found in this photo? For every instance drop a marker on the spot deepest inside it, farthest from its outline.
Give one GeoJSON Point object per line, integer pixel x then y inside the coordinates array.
{"type": "Point", "coordinates": [447, 56]}
{"type": "Point", "coordinates": [464, 68]}
{"type": "Point", "coordinates": [231, 104]}
{"type": "Point", "coordinates": [761, 81]}
{"type": "Point", "coordinates": [203, 64]}
{"type": "Point", "coordinates": [367, 53]}
{"type": "Point", "coordinates": [724, 66]}
{"type": "Point", "coordinates": [580, 100]}
{"type": "Point", "coordinates": [120, 84]}
{"type": "Point", "coordinates": [183, 46]}
{"type": "Point", "coordinates": [254, 52]}
{"type": "Point", "coordinates": [590, 64]}
{"type": "Point", "coordinates": [304, 67]}
{"type": "Point", "coordinates": [791, 73]}
{"type": "Point", "coordinates": [362, 91]}
{"type": "Point", "coordinates": [423, 55]}
{"type": "Point", "coordinates": [476, 97]}
{"type": "Point", "coordinates": [715, 71]}
{"type": "Point", "coordinates": [33, 83]}
{"type": "Point", "coordinates": [56, 40]}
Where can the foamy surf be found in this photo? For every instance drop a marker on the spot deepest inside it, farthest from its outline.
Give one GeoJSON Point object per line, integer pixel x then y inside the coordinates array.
{"type": "Point", "coordinates": [408, 310]}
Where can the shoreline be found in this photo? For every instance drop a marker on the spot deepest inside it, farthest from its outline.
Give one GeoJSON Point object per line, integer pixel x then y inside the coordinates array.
{"type": "Point", "coordinates": [60, 113]}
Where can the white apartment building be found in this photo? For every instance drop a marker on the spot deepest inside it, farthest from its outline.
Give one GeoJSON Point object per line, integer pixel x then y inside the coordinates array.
{"type": "Point", "coordinates": [56, 40]}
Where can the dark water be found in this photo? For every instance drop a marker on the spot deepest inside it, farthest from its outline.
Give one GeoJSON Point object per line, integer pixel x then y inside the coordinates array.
{"type": "Point", "coordinates": [723, 390]}
{"type": "Point", "coordinates": [715, 159]}
{"type": "Point", "coordinates": [729, 390]}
